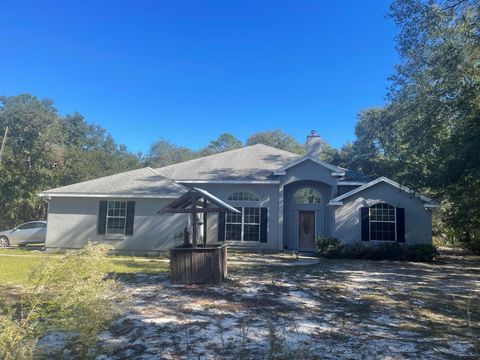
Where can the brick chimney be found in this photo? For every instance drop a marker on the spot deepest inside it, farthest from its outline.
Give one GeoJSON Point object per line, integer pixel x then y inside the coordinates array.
{"type": "Point", "coordinates": [314, 144]}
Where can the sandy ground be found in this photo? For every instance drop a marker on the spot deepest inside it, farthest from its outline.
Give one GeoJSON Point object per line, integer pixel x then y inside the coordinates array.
{"type": "Point", "coordinates": [327, 309]}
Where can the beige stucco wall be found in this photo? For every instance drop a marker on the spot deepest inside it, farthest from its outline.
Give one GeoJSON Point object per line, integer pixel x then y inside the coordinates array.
{"type": "Point", "coordinates": [418, 221]}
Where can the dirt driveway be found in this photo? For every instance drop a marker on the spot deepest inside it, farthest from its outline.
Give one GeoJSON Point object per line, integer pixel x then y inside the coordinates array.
{"type": "Point", "coordinates": [275, 308]}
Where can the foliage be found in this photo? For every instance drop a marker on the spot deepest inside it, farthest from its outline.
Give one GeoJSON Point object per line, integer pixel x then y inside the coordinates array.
{"type": "Point", "coordinates": [73, 295]}
{"type": "Point", "coordinates": [164, 153]}
{"type": "Point", "coordinates": [224, 142]}
{"type": "Point", "coordinates": [45, 150]}
{"type": "Point", "coordinates": [428, 135]}
{"type": "Point", "coordinates": [333, 248]}
{"type": "Point", "coordinates": [277, 139]}
{"type": "Point", "coordinates": [327, 246]}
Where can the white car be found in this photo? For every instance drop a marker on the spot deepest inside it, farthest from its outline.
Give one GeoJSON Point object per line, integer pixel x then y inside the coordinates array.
{"type": "Point", "coordinates": [30, 232]}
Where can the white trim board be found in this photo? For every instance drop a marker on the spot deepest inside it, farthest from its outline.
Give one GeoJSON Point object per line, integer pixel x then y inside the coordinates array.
{"type": "Point", "coordinates": [227, 181]}
{"type": "Point", "coordinates": [336, 171]}
{"type": "Point", "coordinates": [112, 195]}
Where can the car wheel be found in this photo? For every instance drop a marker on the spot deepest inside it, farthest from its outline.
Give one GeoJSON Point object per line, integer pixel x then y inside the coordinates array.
{"type": "Point", "coordinates": [4, 242]}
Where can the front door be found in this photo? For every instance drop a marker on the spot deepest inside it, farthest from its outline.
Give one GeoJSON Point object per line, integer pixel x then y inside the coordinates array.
{"type": "Point", "coordinates": [306, 230]}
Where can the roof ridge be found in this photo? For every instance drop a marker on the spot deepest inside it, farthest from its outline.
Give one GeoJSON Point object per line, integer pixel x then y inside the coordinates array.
{"type": "Point", "coordinates": [243, 148]}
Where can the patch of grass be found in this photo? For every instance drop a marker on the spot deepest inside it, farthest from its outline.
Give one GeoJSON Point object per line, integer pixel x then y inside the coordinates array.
{"type": "Point", "coordinates": [16, 268]}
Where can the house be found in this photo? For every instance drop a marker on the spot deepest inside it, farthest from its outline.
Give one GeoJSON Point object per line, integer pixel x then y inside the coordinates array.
{"type": "Point", "coordinates": [285, 202]}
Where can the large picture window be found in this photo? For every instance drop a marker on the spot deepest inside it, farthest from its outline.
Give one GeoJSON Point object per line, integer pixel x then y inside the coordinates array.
{"type": "Point", "coordinates": [244, 226]}
{"type": "Point", "coordinates": [382, 219]}
{"type": "Point", "coordinates": [116, 217]}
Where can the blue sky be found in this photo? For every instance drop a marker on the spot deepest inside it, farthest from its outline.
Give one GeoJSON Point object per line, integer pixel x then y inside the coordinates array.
{"type": "Point", "coordinates": [189, 70]}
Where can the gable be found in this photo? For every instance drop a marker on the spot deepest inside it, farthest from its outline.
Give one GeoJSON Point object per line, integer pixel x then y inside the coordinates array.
{"type": "Point", "coordinates": [384, 189]}
{"type": "Point", "coordinates": [309, 170]}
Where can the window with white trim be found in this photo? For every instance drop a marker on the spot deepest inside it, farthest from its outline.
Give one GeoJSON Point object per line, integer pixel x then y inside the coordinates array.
{"type": "Point", "coordinates": [307, 195]}
{"type": "Point", "coordinates": [244, 226]}
{"type": "Point", "coordinates": [383, 222]}
{"type": "Point", "coordinates": [244, 196]}
{"type": "Point", "coordinates": [116, 217]}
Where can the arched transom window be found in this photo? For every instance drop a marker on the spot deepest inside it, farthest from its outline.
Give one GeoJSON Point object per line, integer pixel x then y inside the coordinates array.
{"type": "Point", "coordinates": [382, 219]}
{"type": "Point", "coordinates": [244, 196]}
{"type": "Point", "coordinates": [307, 195]}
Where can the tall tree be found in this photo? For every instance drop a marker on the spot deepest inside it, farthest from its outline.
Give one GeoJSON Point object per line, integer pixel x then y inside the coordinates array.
{"type": "Point", "coordinates": [164, 152]}
{"type": "Point", "coordinates": [428, 135]}
{"type": "Point", "coordinates": [32, 156]}
{"type": "Point", "coordinates": [435, 99]}
{"type": "Point", "coordinates": [278, 139]}
{"type": "Point", "coordinates": [224, 142]}
{"type": "Point", "coordinates": [46, 150]}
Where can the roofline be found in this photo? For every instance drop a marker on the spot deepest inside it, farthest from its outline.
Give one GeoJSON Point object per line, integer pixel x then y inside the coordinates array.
{"type": "Point", "coordinates": [341, 182]}
{"type": "Point", "coordinates": [105, 195]}
{"type": "Point", "coordinates": [228, 181]}
{"type": "Point", "coordinates": [224, 152]}
{"type": "Point", "coordinates": [429, 203]}
{"type": "Point", "coordinates": [336, 171]}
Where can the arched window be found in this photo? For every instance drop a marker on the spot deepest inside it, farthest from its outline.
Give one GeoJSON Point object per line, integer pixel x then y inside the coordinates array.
{"type": "Point", "coordinates": [244, 196]}
{"type": "Point", "coordinates": [307, 195]}
{"type": "Point", "coordinates": [383, 221]}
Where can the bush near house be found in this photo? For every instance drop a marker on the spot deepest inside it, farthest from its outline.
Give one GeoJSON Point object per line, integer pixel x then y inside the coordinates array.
{"type": "Point", "coordinates": [333, 248]}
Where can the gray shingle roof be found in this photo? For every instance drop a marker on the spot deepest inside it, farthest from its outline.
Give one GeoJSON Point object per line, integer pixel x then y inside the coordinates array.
{"type": "Point", "coordinates": [145, 182]}
{"type": "Point", "coordinates": [256, 162]}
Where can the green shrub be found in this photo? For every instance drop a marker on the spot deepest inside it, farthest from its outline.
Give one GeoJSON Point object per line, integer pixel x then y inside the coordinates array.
{"type": "Point", "coordinates": [73, 295]}
{"type": "Point", "coordinates": [333, 248]}
{"type": "Point", "coordinates": [328, 247]}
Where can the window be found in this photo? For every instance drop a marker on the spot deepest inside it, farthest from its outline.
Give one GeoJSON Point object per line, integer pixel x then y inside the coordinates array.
{"type": "Point", "coordinates": [244, 196]}
{"type": "Point", "coordinates": [382, 222]}
{"type": "Point", "coordinates": [116, 217]}
{"type": "Point", "coordinates": [244, 226]}
{"type": "Point", "coordinates": [307, 195]}
{"type": "Point", "coordinates": [41, 225]}
{"type": "Point", "coordinates": [27, 226]}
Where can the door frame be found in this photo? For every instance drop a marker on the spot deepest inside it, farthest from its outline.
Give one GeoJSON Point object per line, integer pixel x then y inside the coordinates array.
{"type": "Point", "coordinates": [314, 229]}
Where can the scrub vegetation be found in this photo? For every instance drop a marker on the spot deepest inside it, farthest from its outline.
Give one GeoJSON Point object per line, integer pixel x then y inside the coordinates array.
{"type": "Point", "coordinates": [334, 249]}
{"type": "Point", "coordinates": [70, 294]}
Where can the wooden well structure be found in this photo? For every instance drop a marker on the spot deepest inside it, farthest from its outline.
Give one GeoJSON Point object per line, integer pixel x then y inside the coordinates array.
{"type": "Point", "coordinates": [194, 263]}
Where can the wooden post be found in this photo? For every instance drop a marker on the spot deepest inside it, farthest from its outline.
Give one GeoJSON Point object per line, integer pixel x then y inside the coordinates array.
{"type": "Point", "coordinates": [205, 215]}
{"type": "Point", "coordinates": [194, 221]}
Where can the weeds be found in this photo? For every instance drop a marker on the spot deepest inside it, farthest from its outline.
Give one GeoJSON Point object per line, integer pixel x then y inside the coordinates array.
{"type": "Point", "coordinates": [72, 295]}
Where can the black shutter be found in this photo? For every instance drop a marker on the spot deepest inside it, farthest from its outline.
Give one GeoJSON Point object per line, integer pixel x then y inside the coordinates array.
{"type": "Point", "coordinates": [102, 217]}
{"type": "Point", "coordinates": [130, 217]}
{"type": "Point", "coordinates": [263, 224]}
{"type": "Point", "coordinates": [400, 224]}
{"type": "Point", "coordinates": [221, 226]}
{"type": "Point", "coordinates": [364, 217]}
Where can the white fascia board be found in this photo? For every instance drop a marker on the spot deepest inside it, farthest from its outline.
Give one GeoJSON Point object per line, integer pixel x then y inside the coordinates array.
{"type": "Point", "coordinates": [340, 182]}
{"type": "Point", "coordinates": [227, 181]}
{"type": "Point", "coordinates": [335, 203]}
{"type": "Point", "coordinates": [334, 169]}
{"type": "Point", "coordinates": [92, 195]}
